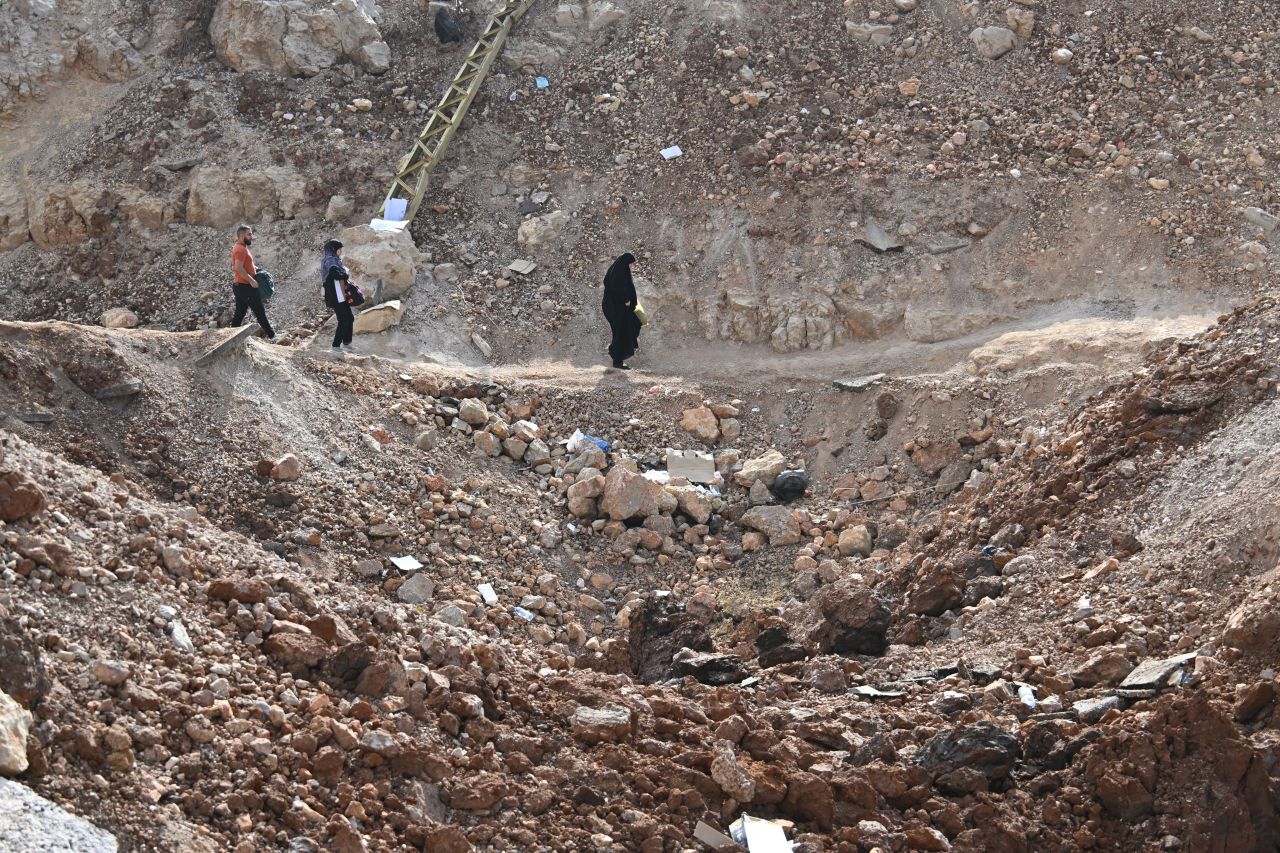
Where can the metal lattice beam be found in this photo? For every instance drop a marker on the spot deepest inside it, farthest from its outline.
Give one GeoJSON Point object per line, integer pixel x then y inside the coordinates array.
{"type": "Point", "coordinates": [414, 173]}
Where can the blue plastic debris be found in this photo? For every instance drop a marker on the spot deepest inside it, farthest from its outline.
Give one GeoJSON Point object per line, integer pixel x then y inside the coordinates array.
{"type": "Point", "coordinates": [542, 82]}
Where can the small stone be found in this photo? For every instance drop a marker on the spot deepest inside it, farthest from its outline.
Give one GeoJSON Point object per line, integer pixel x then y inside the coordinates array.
{"type": "Point", "coordinates": [451, 615]}
{"type": "Point", "coordinates": [1107, 668]}
{"type": "Point", "coordinates": [729, 775]}
{"type": "Point", "coordinates": [776, 522]}
{"type": "Point", "coordinates": [855, 541]}
{"type": "Point", "coordinates": [1253, 699]}
{"type": "Point", "coordinates": [416, 590]}
{"type": "Point", "coordinates": [112, 673]}
{"type": "Point", "coordinates": [119, 318]}
{"type": "Point", "coordinates": [993, 42]}
{"type": "Point", "coordinates": [1092, 710]}
{"type": "Point", "coordinates": [286, 468]}
{"type": "Point", "coordinates": [765, 468]}
{"type": "Point", "coordinates": [340, 209]}
{"type": "Point", "coordinates": [609, 724]}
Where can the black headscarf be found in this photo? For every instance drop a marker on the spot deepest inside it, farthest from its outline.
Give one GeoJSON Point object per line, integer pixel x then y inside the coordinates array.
{"type": "Point", "coordinates": [619, 289]}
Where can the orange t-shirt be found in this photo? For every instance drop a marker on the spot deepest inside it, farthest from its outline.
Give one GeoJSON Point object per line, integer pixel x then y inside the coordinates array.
{"type": "Point", "coordinates": [240, 252]}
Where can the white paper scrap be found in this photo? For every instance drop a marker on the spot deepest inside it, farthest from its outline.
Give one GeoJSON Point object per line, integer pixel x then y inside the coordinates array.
{"type": "Point", "coordinates": [394, 209]}
{"type": "Point", "coordinates": [487, 593]}
{"type": "Point", "coordinates": [671, 153]}
{"type": "Point", "coordinates": [406, 564]}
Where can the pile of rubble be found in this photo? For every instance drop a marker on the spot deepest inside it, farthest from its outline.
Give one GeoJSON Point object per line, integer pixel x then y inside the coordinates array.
{"type": "Point", "coordinates": [535, 641]}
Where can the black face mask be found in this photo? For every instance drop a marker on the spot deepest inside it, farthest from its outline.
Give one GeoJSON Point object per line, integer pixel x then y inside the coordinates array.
{"type": "Point", "coordinates": [248, 241]}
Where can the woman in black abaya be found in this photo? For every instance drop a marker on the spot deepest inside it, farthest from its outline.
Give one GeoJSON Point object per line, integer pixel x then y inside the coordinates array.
{"type": "Point", "coordinates": [620, 310]}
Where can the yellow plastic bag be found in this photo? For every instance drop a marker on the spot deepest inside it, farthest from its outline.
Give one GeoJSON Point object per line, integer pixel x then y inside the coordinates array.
{"type": "Point", "coordinates": [641, 314]}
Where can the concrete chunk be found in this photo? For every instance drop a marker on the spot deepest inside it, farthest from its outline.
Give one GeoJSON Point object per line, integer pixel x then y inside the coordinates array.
{"type": "Point", "coordinates": [1155, 673]}
{"type": "Point", "coordinates": [693, 465]}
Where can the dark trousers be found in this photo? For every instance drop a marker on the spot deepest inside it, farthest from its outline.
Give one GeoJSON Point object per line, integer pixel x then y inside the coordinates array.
{"type": "Point", "coordinates": [346, 320]}
{"type": "Point", "coordinates": [625, 336]}
{"type": "Point", "coordinates": [248, 298]}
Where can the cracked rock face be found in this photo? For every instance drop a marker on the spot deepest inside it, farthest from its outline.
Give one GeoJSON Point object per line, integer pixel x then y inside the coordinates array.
{"type": "Point", "coordinates": [296, 38]}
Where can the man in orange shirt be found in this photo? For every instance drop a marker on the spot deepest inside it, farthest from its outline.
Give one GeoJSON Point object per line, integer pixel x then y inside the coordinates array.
{"type": "Point", "coordinates": [245, 286]}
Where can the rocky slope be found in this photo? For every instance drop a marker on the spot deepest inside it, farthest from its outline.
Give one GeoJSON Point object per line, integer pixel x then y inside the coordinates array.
{"type": "Point", "coordinates": [870, 674]}
{"type": "Point", "coordinates": [1114, 181]}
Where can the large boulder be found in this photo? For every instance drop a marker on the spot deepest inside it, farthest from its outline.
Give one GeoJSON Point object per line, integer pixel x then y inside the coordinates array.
{"type": "Point", "coordinates": [221, 198]}
{"type": "Point", "coordinates": [660, 629]}
{"type": "Point", "coordinates": [14, 229]}
{"type": "Point", "coordinates": [776, 522]}
{"type": "Point", "coordinates": [1254, 626]}
{"type": "Point", "coordinates": [938, 588]}
{"type": "Point", "coordinates": [301, 39]}
{"type": "Point", "coordinates": [371, 254]}
{"type": "Point", "coordinates": [700, 422]}
{"type": "Point", "coordinates": [20, 496]}
{"type": "Point", "coordinates": [22, 671]}
{"type": "Point", "coordinates": [854, 620]}
{"type": "Point", "coordinates": [627, 495]}
{"type": "Point", "coordinates": [297, 653]}
{"type": "Point", "coordinates": [108, 55]}
{"type": "Point", "coordinates": [710, 667]}
{"type": "Point", "coordinates": [971, 758]}
{"type": "Point", "coordinates": [929, 322]}
{"type": "Point", "coordinates": [59, 216]}
{"type": "Point", "coordinates": [15, 725]}
{"type": "Point", "coordinates": [31, 824]}
{"type": "Point", "coordinates": [146, 213]}
{"type": "Point", "coordinates": [1106, 668]}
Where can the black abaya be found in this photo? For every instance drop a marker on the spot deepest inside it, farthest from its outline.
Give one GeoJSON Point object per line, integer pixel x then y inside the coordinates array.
{"type": "Point", "coordinates": [619, 305]}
